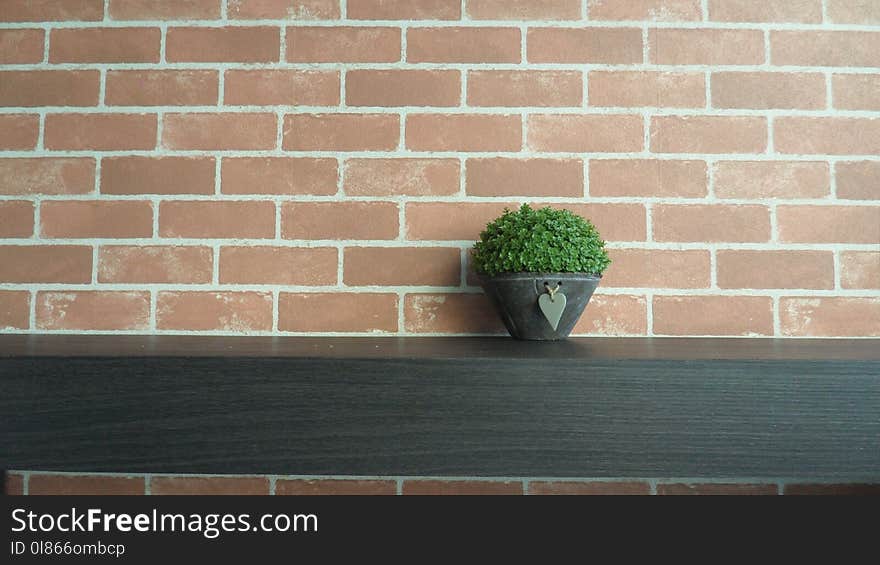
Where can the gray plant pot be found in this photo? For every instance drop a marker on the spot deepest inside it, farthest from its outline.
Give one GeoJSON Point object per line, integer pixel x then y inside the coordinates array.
{"type": "Point", "coordinates": [515, 297]}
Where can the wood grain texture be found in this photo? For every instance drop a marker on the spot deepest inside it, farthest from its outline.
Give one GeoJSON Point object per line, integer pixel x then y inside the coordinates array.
{"type": "Point", "coordinates": [599, 409]}
{"type": "Point", "coordinates": [501, 348]}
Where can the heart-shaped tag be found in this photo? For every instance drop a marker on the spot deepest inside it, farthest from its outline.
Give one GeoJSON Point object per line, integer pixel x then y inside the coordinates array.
{"type": "Point", "coordinates": [552, 307]}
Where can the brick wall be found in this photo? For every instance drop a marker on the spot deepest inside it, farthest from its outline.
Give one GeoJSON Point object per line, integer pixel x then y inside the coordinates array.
{"type": "Point", "coordinates": [36, 483]}
{"type": "Point", "coordinates": [323, 166]}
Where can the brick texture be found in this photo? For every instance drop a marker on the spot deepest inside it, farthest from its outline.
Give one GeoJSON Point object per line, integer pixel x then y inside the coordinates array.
{"type": "Point", "coordinates": [312, 266]}
{"type": "Point", "coordinates": [14, 309]}
{"type": "Point", "coordinates": [428, 487]}
{"type": "Point", "coordinates": [16, 218]}
{"type": "Point", "coordinates": [218, 311]}
{"type": "Point", "coordinates": [208, 485]}
{"type": "Point", "coordinates": [93, 310]}
{"type": "Point", "coordinates": [337, 312]}
{"type": "Point", "coordinates": [162, 88]}
{"type": "Point", "coordinates": [155, 264]}
{"type": "Point", "coordinates": [713, 315]}
{"type": "Point", "coordinates": [306, 487]}
{"type": "Point", "coordinates": [323, 166]}
{"type": "Point", "coordinates": [714, 489]}
{"type": "Point", "coordinates": [49, 88]}
{"type": "Point", "coordinates": [19, 46]}
{"type": "Point", "coordinates": [85, 484]}
{"type": "Point", "coordinates": [588, 488]}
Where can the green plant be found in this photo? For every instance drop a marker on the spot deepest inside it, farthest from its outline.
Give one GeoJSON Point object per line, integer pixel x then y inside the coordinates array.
{"type": "Point", "coordinates": [545, 240]}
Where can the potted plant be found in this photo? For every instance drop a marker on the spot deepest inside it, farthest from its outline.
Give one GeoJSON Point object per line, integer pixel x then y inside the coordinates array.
{"type": "Point", "coordinates": [539, 269]}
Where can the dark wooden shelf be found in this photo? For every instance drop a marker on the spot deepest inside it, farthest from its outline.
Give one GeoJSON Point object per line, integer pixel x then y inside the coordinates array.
{"type": "Point", "coordinates": [661, 407]}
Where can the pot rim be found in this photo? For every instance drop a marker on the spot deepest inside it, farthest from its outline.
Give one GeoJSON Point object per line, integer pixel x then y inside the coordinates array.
{"type": "Point", "coordinates": [535, 275]}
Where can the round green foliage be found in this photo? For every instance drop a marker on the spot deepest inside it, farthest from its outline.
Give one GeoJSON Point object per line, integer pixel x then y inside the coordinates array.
{"type": "Point", "coordinates": [540, 241]}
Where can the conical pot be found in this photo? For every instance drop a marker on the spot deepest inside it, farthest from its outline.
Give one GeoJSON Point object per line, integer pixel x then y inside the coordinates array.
{"type": "Point", "coordinates": [515, 297]}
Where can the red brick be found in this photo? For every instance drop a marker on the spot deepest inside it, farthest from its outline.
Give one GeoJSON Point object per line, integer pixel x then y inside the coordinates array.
{"type": "Point", "coordinates": [16, 218]}
{"type": "Point", "coordinates": [214, 311]}
{"type": "Point", "coordinates": [463, 132]}
{"type": "Point", "coordinates": [15, 307]}
{"type": "Point", "coordinates": [679, 489]}
{"type": "Point", "coordinates": [52, 10]}
{"type": "Point", "coordinates": [14, 485]}
{"type": "Point", "coordinates": [162, 88]}
{"type": "Point", "coordinates": [70, 264]}
{"type": "Point", "coordinates": [451, 221]}
{"type": "Point", "coordinates": [762, 90]}
{"type": "Point", "coordinates": [19, 46]}
{"type": "Point", "coordinates": [217, 219]}
{"type": "Point", "coordinates": [313, 266]}
{"type": "Point", "coordinates": [772, 179]}
{"type": "Point", "coordinates": [524, 9]}
{"type": "Point", "coordinates": [830, 317]}
{"type": "Point", "coordinates": [831, 136]}
{"type": "Point", "coordinates": [858, 180]}
{"type": "Point", "coordinates": [613, 46]}
{"type": "Point", "coordinates": [463, 45]}
{"type": "Point", "coordinates": [706, 46]}
{"type": "Point", "coordinates": [395, 87]}
{"type": "Point", "coordinates": [614, 314]}
{"type": "Point", "coordinates": [402, 266]}
{"type": "Point", "coordinates": [309, 487]}
{"type": "Point", "coordinates": [104, 45]}
{"type": "Point", "coordinates": [658, 268]}
{"type": "Point", "coordinates": [91, 310]}
{"type": "Point", "coordinates": [155, 264]}
{"type": "Point", "coordinates": [650, 10]}
{"type": "Point", "coordinates": [647, 88]}
{"type": "Point", "coordinates": [616, 222]}
{"type": "Point", "coordinates": [164, 9]}
{"type": "Point", "coordinates": [278, 175]}
{"type": "Point", "coordinates": [47, 176]}
{"type": "Point", "coordinates": [429, 487]}
{"type": "Point", "coordinates": [451, 314]}
{"type": "Point", "coordinates": [100, 132]}
{"type": "Point", "coordinates": [711, 222]}
{"type": "Point", "coordinates": [337, 312]}
{"type": "Point", "coordinates": [840, 489]}
{"type": "Point", "coordinates": [699, 134]}
{"type": "Point", "coordinates": [829, 224]}
{"type": "Point", "coordinates": [825, 48]}
{"type": "Point", "coordinates": [404, 9]}
{"type": "Point", "coordinates": [208, 485]}
{"type": "Point", "coordinates": [392, 177]}
{"type": "Point", "coordinates": [261, 87]}
{"type": "Point", "coordinates": [339, 220]}
{"type": "Point", "coordinates": [525, 177]}
{"type": "Point", "coordinates": [775, 269]}
{"type": "Point", "coordinates": [96, 218]}
{"type": "Point", "coordinates": [773, 11]}
{"type": "Point", "coordinates": [341, 132]}
{"type": "Point", "coordinates": [648, 178]}
{"type": "Point", "coordinates": [589, 487]}
{"type": "Point", "coordinates": [283, 9]}
{"type": "Point", "coordinates": [860, 269]}
{"type": "Point", "coordinates": [343, 44]}
{"type": "Point", "coordinates": [85, 484]}
{"type": "Point", "coordinates": [713, 315]}
{"type": "Point", "coordinates": [856, 92]}
{"type": "Point", "coordinates": [525, 88]}
{"type": "Point", "coordinates": [157, 175]}
{"type": "Point", "coordinates": [586, 133]}
{"type": "Point", "coordinates": [853, 12]}
{"type": "Point", "coordinates": [223, 45]}
{"type": "Point", "coordinates": [20, 131]}
{"type": "Point", "coordinates": [211, 131]}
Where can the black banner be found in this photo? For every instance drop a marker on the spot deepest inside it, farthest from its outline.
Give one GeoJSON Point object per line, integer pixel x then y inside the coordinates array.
{"type": "Point", "coordinates": [264, 529]}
